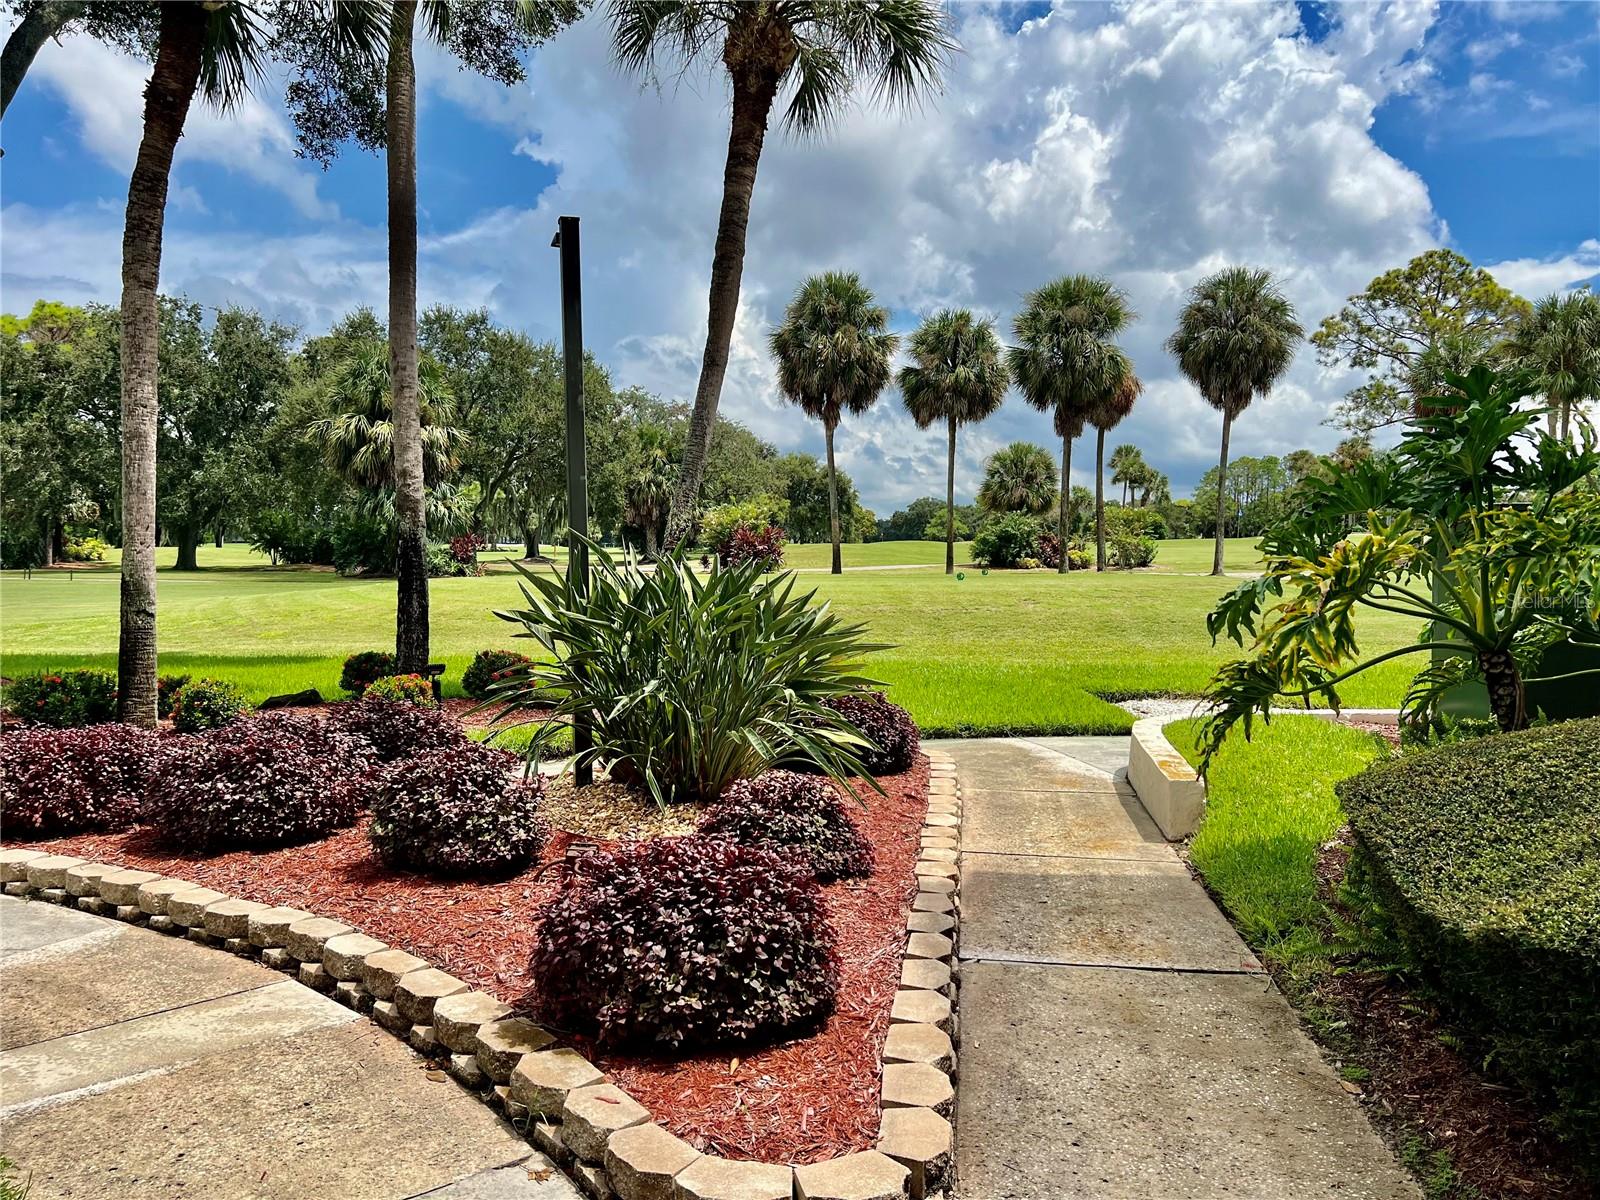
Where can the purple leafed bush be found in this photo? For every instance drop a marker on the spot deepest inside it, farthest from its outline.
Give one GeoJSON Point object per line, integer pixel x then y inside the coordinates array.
{"type": "Point", "coordinates": [686, 942]}
{"type": "Point", "coordinates": [888, 726]}
{"type": "Point", "coordinates": [268, 781]}
{"type": "Point", "coordinates": [393, 729]}
{"type": "Point", "coordinates": [55, 782]}
{"type": "Point", "coordinates": [457, 811]}
{"type": "Point", "coordinates": [802, 814]}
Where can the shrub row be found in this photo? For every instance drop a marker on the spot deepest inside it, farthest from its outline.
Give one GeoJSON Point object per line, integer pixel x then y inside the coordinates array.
{"type": "Point", "coordinates": [441, 804]}
{"type": "Point", "coordinates": [1486, 855]}
{"type": "Point", "coordinates": [57, 782]}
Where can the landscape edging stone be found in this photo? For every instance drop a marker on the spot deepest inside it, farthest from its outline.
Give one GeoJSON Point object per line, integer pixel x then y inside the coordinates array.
{"type": "Point", "coordinates": [925, 1158]}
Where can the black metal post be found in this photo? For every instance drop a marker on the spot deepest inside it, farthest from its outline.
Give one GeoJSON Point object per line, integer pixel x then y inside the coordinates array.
{"type": "Point", "coordinates": [566, 240]}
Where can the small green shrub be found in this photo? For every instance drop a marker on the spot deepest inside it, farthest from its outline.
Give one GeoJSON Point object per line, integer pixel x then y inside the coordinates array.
{"type": "Point", "coordinates": [87, 549]}
{"type": "Point", "coordinates": [167, 688]}
{"type": "Point", "coordinates": [1486, 855]}
{"type": "Point", "coordinates": [1130, 537]}
{"type": "Point", "coordinates": [364, 668]}
{"type": "Point", "coordinates": [1004, 541]}
{"type": "Point", "coordinates": [64, 699]}
{"type": "Point", "coordinates": [488, 670]}
{"type": "Point", "coordinates": [691, 681]}
{"type": "Point", "coordinates": [207, 704]}
{"type": "Point", "coordinates": [403, 689]}
{"type": "Point", "coordinates": [718, 524]}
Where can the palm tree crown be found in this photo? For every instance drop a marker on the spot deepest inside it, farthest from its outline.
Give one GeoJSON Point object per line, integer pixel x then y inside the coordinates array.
{"type": "Point", "coordinates": [834, 347]}
{"type": "Point", "coordinates": [956, 371]}
{"type": "Point", "coordinates": [1235, 337]}
{"type": "Point", "coordinates": [1559, 344]}
{"type": "Point", "coordinates": [898, 48]}
{"type": "Point", "coordinates": [358, 440]}
{"type": "Point", "coordinates": [833, 350]}
{"type": "Point", "coordinates": [1020, 478]}
{"type": "Point", "coordinates": [1063, 361]}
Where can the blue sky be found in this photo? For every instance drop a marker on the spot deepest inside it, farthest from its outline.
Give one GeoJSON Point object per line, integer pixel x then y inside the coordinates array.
{"type": "Point", "coordinates": [1150, 142]}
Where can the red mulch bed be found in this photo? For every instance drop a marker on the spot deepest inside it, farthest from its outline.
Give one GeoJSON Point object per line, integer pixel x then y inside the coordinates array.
{"type": "Point", "coordinates": [803, 1101]}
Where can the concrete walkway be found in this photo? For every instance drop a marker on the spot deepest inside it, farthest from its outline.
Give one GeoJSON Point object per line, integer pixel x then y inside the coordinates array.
{"type": "Point", "coordinates": [1117, 1038]}
{"type": "Point", "coordinates": [136, 1065]}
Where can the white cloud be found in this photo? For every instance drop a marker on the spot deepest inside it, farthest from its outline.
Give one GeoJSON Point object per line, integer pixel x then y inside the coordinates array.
{"type": "Point", "coordinates": [1150, 142]}
{"type": "Point", "coordinates": [104, 92]}
{"type": "Point", "coordinates": [1534, 277]}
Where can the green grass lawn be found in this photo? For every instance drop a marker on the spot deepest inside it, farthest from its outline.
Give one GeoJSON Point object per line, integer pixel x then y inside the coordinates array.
{"type": "Point", "coordinates": [1270, 805]}
{"type": "Point", "coordinates": [1193, 555]}
{"type": "Point", "coordinates": [1008, 652]}
{"type": "Point", "coordinates": [819, 556]}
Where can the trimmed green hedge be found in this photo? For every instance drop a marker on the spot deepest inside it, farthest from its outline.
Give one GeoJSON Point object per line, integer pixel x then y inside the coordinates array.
{"type": "Point", "coordinates": [1487, 854]}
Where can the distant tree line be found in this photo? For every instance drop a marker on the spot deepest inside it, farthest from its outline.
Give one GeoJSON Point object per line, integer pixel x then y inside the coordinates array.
{"type": "Point", "coordinates": [289, 443]}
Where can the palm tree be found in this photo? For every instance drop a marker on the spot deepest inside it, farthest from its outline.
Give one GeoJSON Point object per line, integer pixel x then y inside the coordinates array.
{"type": "Point", "coordinates": [957, 376]}
{"type": "Point", "coordinates": [1020, 478]}
{"type": "Point", "coordinates": [1115, 404]}
{"type": "Point", "coordinates": [1063, 361]}
{"type": "Point", "coordinates": [358, 440]}
{"type": "Point", "coordinates": [488, 42]}
{"type": "Point", "coordinates": [1559, 344]}
{"type": "Point", "coordinates": [1127, 469]}
{"type": "Point", "coordinates": [1235, 338]}
{"type": "Point", "coordinates": [820, 52]}
{"type": "Point", "coordinates": [649, 486]}
{"type": "Point", "coordinates": [833, 350]}
{"type": "Point", "coordinates": [214, 49]}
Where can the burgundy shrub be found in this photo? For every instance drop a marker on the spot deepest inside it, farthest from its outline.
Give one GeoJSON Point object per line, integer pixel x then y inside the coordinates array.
{"type": "Point", "coordinates": [274, 780]}
{"type": "Point", "coordinates": [392, 729]}
{"type": "Point", "coordinates": [457, 811]}
{"type": "Point", "coordinates": [93, 778]}
{"type": "Point", "coordinates": [888, 726]}
{"type": "Point", "coordinates": [785, 810]}
{"type": "Point", "coordinates": [764, 545]}
{"type": "Point", "coordinates": [686, 942]}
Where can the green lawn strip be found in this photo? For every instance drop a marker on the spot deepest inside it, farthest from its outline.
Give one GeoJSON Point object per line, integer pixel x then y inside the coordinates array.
{"type": "Point", "coordinates": [1270, 805]}
{"type": "Point", "coordinates": [1004, 653]}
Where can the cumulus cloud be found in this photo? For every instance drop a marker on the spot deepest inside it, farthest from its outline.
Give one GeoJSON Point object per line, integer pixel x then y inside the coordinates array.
{"type": "Point", "coordinates": [104, 91]}
{"type": "Point", "coordinates": [1535, 277]}
{"type": "Point", "coordinates": [1149, 142]}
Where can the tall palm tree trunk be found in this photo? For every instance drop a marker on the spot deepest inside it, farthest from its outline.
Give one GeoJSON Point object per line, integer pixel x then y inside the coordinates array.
{"type": "Point", "coordinates": [42, 22]}
{"type": "Point", "coordinates": [1063, 517]}
{"type": "Point", "coordinates": [950, 504]}
{"type": "Point", "coordinates": [410, 502]}
{"type": "Point", "coordinates": [166, 106]}
{"type": "Point", "coordinates": [833, 499]}
{"type": "Point", "coordinates": [1222, 491]}
{"type": "Point", "coordinates": [751, 105]}
{"type": "Point", "coordinates": [1100, 500]}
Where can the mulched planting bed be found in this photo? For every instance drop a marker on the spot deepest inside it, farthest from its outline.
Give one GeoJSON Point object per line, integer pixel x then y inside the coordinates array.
{"type": "Point", "coordinates": [802, 1101]}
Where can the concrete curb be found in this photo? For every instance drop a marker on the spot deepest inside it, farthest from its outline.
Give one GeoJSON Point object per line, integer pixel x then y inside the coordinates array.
{"type": "Point", "coordinates": [1167, 786]}
{"type": "Point", "coordinates": [567, 1108]}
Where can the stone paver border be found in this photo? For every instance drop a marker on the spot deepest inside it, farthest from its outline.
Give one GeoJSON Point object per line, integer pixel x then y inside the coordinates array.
{"type": "Point", "coordinates": [599, 1135]}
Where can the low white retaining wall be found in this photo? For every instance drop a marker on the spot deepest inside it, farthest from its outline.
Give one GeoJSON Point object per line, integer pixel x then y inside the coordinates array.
{"type": "Point", "coordinates": [1169, 789]}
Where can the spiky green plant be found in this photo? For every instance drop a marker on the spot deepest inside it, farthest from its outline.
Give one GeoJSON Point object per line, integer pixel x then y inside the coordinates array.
{"type": "Point", "coordinates": [689, 681]}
